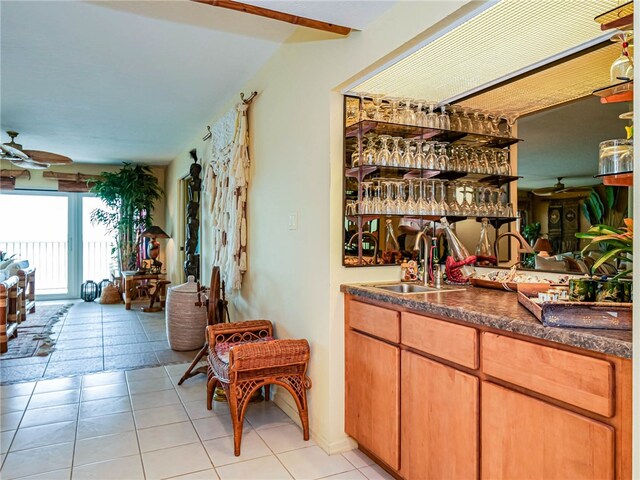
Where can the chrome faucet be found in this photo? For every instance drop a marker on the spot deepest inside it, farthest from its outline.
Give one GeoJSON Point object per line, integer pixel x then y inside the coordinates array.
{"type": "Point", "coordinates": [523, 247]}
{"type": "Point", "coordinates": [375, 244]}
{"type": "Point", "coordinates": [426, 240]}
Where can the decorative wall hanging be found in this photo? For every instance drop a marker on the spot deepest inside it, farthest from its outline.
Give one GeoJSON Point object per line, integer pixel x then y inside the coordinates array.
{"type": "Point", "coordinates": [192, 240]}
{"type": "Point", "coordinates": [226, 184]}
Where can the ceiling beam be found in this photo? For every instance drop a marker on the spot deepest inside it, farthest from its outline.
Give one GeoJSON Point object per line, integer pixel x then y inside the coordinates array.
{"type": "Point", "coordinates": [275, 15]}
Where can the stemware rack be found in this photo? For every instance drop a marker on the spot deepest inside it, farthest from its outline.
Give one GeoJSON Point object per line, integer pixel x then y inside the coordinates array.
{"type": "Point", "coordinates": [354, 135]}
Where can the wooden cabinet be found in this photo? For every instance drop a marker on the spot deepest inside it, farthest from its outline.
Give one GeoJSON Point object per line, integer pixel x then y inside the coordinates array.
{"type": "Point", "coordinates": [526, 438]}
{"type": "Point", "coordinates": [439, 420]}
{"type": "Point", "coordinates": [435, 399]}
{"type": "Point", "coordinates": [372, 396]}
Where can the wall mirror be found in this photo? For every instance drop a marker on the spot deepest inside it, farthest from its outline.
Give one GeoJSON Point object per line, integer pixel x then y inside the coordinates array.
{"type": "Point", "coordinates": [536, 138]}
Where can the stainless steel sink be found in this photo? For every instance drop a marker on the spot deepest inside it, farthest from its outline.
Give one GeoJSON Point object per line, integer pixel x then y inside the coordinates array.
{"type": "Point", "coordinates": [408, 288]}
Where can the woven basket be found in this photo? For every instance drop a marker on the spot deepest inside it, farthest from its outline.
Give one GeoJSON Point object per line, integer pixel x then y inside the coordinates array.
{"type": "Point", "coordinates": [110, 295]}
{"type": "Point", "coordinates": [186, 321]}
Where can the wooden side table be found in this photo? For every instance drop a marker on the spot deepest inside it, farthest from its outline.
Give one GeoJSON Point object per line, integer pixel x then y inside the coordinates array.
{"type": "Point", "coordinates": [129, 282]}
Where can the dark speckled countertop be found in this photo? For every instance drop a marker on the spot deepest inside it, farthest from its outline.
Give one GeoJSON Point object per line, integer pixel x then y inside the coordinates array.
{"type": "Point", "coordinates": [501, 310]}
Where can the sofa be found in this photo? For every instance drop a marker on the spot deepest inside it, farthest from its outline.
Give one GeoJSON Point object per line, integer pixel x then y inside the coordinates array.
{"type": "Point", "coordinates": [26, 282]}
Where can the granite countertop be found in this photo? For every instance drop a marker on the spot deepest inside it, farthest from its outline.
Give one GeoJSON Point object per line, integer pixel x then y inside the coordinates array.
{"type": "Point", "coordinates": [501, 310]}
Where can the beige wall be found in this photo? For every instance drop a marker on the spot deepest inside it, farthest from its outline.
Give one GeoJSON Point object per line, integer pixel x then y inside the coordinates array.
{"type": "Point", "coordinates": [297, 136]}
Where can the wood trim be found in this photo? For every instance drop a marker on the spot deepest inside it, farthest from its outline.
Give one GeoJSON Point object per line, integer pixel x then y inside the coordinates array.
{"type": "Point", "coordinates": [275, 15]}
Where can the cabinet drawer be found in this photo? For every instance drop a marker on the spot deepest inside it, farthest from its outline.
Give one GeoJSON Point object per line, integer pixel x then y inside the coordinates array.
{"type": "Point", "coordinates": [376, 321]}
{"type": "Point", "coordinates": [579, 380]}
{"type": "Point", "coordinates": [448, 341]}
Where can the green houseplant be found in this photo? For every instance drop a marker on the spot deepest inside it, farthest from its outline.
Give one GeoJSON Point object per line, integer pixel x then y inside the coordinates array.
{"type": "Point", "coordinates": [129, 196]}
{"type": "Point", "coordinates": [615, 243]}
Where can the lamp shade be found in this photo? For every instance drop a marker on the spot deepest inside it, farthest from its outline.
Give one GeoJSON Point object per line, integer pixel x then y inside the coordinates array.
{"type": "Point", "coordinates": [155, 232]}
{"type": "Point", "coordinates": [543, 245]}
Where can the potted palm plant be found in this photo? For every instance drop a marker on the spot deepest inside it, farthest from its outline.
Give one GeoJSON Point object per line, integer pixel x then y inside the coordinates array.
{"type": "Point", "coordinates": [129, 196]}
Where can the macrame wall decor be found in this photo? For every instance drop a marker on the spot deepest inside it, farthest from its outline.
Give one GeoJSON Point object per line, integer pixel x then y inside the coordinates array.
{"type": "Point", "coordinates": [194, 186]}
{"type": "Point", "coordinates": [226, 184]}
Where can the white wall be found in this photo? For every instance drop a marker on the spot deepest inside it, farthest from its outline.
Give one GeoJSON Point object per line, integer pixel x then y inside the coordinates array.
{"type": "Point", "coordinates": [297, 136]}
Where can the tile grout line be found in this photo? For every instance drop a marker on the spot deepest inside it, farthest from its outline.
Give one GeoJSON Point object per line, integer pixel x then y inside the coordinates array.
{"type": "Point", "coordinates": [135, 426]}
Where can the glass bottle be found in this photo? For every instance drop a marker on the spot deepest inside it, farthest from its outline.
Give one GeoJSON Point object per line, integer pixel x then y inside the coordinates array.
{"type": "Point", "coordinates": [483, 248]}
{"type": "Point", "coordinates": [456, 249]}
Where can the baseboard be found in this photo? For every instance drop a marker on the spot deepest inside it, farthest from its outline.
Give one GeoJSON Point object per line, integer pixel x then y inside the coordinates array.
{"type": "Point", "coordinates": [283, 400]}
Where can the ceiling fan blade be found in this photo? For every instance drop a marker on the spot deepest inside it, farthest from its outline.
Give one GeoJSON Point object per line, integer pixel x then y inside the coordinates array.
{"type": "Point", "coordinates": [12, 152]}
{"type": "Point", "coordinates": [48, 157]}
{"type": "Point", "coordinates": [29, 164]}
{"type": "Point", "coordinates": [544, 192]}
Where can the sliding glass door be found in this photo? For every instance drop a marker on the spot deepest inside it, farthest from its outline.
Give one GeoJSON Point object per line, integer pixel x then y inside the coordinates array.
{"type": "Point", "coordinates": [52, 230]}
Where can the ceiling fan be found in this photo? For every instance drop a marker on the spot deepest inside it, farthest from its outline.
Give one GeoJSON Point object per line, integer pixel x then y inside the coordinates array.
{"type": "Point", "coordinates": [30, 159]}
{"type": "Point", "coordinates": [559, 188]}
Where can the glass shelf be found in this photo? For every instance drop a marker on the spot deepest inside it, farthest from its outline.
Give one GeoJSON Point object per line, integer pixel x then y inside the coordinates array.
{"type": "Point", "coordinates": [425, 173]}
{"type": "Point", "coordinates": [435, 134]}
{"type": "Point", "coordinates": [497, 222]}
{"type": "Point", "coordinates": [618, 17]}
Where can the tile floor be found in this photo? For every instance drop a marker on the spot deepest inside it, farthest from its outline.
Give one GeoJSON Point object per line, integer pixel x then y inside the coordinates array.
{"type": "Point", "coordinates": [95, 338]}
{"type": "Point", "coordinates": [139, 424]}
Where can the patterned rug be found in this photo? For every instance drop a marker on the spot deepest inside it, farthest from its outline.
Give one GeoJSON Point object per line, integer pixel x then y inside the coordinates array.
{"type": "Point", "coordinates": [35, 335]}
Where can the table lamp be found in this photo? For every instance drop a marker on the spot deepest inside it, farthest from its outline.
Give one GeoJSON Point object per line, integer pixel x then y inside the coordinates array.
{"type": "Point", "coordinates": [153, 249]}
{"type": "Point", "coordinates": [543, 247]}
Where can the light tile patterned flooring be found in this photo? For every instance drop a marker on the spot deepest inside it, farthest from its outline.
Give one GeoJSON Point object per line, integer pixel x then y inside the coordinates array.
{"type": "Point", "coordinates": [95, 338]}
{"type": "Point", "coordinates": [140, 424]}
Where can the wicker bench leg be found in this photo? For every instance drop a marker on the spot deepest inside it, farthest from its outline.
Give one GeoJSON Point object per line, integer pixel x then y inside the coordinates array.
{"type": "Point", "coordinates": [212, 382]}
{"type": "Point", "coordinates": [297, 385]}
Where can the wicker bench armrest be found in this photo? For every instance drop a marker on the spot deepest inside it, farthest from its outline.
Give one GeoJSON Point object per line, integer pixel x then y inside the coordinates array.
{"type": "Point", "coordinates": [276, 353]}
{"type": "Point", "coordinates": [227, 331]}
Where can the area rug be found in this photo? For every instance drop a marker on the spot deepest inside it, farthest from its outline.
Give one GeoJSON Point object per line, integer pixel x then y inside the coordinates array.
{"type": "Point", "coordinates": [35, 334]}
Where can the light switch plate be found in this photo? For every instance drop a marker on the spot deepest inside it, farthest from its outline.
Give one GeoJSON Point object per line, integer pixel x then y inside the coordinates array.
{"type": "Point", "coordinates": [293, 220]}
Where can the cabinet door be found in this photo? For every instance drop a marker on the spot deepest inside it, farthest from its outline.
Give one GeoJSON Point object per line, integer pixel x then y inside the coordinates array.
{"type": "Point", "coordinates": [439, 421]}
{"type": "Point", "coordinates": [524, 438]}
{"type": "Point", "coordinates": [372, 389]}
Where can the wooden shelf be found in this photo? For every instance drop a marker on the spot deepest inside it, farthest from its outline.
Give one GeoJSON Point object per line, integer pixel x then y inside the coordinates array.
{"type": "Point", "coordinates": [497, 222]}
{"type": "Point", "coordinates": [619, 92]}
{"type": "Point", "coordinates": [426, 174]}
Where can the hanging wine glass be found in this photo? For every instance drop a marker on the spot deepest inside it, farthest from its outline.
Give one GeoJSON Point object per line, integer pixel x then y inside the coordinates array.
{"type": "Point", "coordinates": [465, 207]}
{"type": "Point", "coordinates": [394, 114]}
{"type": "Point", "coordinates": [474, 161]}
{"type": "Point", "coordinates": [382, 159]}
{"type": "Point", "coordinates": [419, 159]}
{"type": "Point", "coordinates": [369, 153]}
{"type": "Point", "coordinates": [443, 118]}
{"type": "Point", "coordinates": [432, 116]}
{"type": "Point", "coordinates": [443, 158]}
{"type": "Point", "coordinates": [408, 116]}
{"type": "Point", "coordinates": [454, 118]}
{"type": "Point", "coordinates": [476, 122]}
{"type": "Point", "coordinates": [355, 156]}
{"type": "Point", "coordinates": [432, 205]}
{"type": "Point", "coordinates": [388, 203]}
{"type": "Point", "coordinates": [443, 206]}
{"type": "Point", "coordinates": [395, 158]}
{"type": "Point", "coordinates": [408, 157]}
{"type": "Point", "coordinates": [454, 205]}
{"type": "Point", "coordinates": [622, 67]}
{"type": "Point", "coordinates": [366, 206]}
{"type": "Point", "coordinates": [431, 160]}
{"type": "Point", "coordinates": [510, 118]}
{"type": "Point", "coordinates": [465, 121]}
{"type": "Point", "coordinates": [411, 207]}
{"type": "Point", "coordinates": [376, 202]}
{"type": "Point", "coordinates": [378, 113]}
{"type": "Point", "coordinates": [421, 115]}
{"type": "Point", "coordinates": [423, 202]}
{"type": "Point", "coordinates": [399, 203]}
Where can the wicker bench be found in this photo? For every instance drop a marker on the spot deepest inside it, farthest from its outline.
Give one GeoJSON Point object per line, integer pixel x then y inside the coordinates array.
{"type": "Point", "coordinates": [243, 357]}
{"type": "Point", "coordinates": [10, 314]}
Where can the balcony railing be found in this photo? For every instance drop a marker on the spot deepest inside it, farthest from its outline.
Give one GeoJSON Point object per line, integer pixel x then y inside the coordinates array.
{"type": "Point", "coordinates": [51, 261]}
